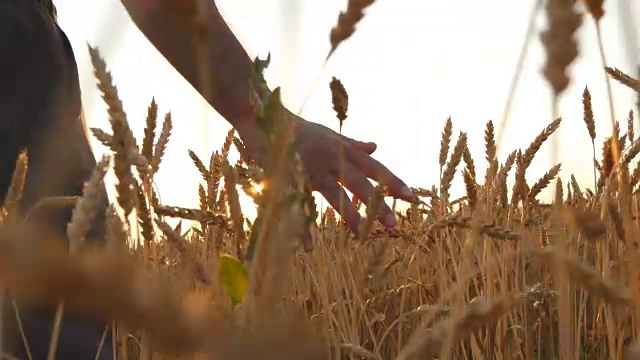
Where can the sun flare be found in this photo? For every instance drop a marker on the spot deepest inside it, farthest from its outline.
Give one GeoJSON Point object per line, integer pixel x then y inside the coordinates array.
{"type": "Point", "coordinates": [258, 188]}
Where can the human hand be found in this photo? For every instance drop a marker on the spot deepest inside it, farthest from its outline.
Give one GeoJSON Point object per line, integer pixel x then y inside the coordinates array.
{"type": "Point", "coordinates": [319, 149]}
{"type": "Point", "coordinates": [318, 146]}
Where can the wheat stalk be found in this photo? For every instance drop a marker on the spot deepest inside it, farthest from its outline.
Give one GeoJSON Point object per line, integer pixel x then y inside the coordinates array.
{"type": "Point", "coordinates": [87, 207]}
{"type": "Point", "coordinates": [347, 22]}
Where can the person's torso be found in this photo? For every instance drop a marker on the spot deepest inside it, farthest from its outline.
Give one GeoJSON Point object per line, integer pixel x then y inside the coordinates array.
{"type": "Point", "coordinates": [60, 157]}
{"type": "Point", "coordinates": [40, 108]}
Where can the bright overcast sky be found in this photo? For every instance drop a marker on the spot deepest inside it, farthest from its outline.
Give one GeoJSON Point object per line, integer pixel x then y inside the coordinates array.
{"type": "Point", "coordinates": [410, 65]}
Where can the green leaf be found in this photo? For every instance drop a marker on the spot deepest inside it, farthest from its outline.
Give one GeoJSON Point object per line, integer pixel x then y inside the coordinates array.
{"type": "Point", "coordinates": [271, 105]}
{"type": "Point", "coordinates": [259, 66]}
{"type": "Point", "coordinates": [253, 238]}
{"type": "Point", "coordinates": [234, 278]}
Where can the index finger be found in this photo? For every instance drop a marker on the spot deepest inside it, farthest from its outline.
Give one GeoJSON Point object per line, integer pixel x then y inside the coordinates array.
{"type": "Point", "coordinates": [335, 195]}
{"type": "Point", "coordinates": [374, 170]}
{"type": "Point", "coordinates": [366, 147]}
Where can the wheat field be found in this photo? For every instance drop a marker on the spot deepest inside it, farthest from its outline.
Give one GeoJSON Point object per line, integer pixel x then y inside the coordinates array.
{"type": "Point", "coordinates": [495, 274]}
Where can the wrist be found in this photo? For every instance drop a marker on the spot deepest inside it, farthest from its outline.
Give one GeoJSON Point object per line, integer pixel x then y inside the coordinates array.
{"type": "Point", "coordinates": [244, 126]}
{"type": "Point", "coordinates": [248, 127]}
{"type": "Point", "coordinates": [244, 117]}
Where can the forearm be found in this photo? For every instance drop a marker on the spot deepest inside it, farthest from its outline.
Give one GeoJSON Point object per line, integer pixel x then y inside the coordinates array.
{"type": "Point", "coordinates": [230, 84]}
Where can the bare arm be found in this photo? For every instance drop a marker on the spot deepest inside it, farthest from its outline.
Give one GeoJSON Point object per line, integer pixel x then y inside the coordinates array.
{"type": "Point", "coordinates": [229, 87]}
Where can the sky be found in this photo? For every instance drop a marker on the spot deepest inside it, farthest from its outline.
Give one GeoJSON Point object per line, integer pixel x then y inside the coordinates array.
{"type": "Point", "coordinates": [410, 65]}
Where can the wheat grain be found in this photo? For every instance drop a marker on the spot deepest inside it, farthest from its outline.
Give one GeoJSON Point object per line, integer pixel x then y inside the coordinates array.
{"type": "Point", "coordinates": [534, 147]}
{"type": "Point", "coordinates": [161, 144]}
{"type": "Point", "coordinates": [234, 209]}
{"type": "Point", "coordinates": [105, 138]}
{"type": "Point", "coordinates": [124, 142]}
{"type": "Point", "coordinates": [588, 278]}
{"type": "Point", "coordinates": [468, 160]}
{"type": "Point", "coordinates": [445, 142]}
{"type": "Point", "coordinates": [623, 78]}
{"type": "Point", "coordinates": [588, 113]}
{"type": "Point", "coordinates": [560, 46]}
{"type": "Point", "coordinates": [471, 188]}
{"type": "Point", "coordinates": [16, 187]}
{"type": "Point", "coordinates": [596, 8]}
{"type": "Point", "coordinates": [199, 165]}
{"type": "Point", "coordinates": [241, 149]}
{"type": "Point", "coordinates": [630, 154]}
{"type": "Point", "coordinates": [150, 130]}
{"type": "Point", "coordinates": [630, 132]}
{"type": "Point", "coordinates": [228, 141]}
{"type": "Point", "coordinates": [431, 343]}
{"type": "Point", "coordinates": [500, 179]}
{"type": "Point", "coordinates": [213, 180]}
{"type": "Point", "coordinates": [520, 184]}
{"type": "Point", "coordinates": [452, 165]}
{"type": "Point", "coordinates": [373, 209]}
{"type": "Point", "coordinates": [559, 194]}
{"type": "Point", "coordinates": [202, 196]}
{"type": "Point", "coordinates": [490, 151]}
{"type": "Point", "coordinates": [608, 158]}
{"type": "Point", "coordinates": [143, 212]}
{"type": "Point", "coordinates": [576, 188]}
{"type": "Point", "coordinates": [543, 182]}
{"type": "Point", "coordinates": [339, 99]}
{"type": "Point", "coordinates": [87, 207]}
{"type": "Point", "coordinates": [347, 22]}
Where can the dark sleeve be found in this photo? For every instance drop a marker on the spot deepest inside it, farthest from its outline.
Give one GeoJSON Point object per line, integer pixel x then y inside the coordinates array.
{"type": "Point", "coordinates": [39, 95]}
{"type": "Point", "coordinates": [21, 92]}
{"type": "Point", "coordinates": [40, 104]}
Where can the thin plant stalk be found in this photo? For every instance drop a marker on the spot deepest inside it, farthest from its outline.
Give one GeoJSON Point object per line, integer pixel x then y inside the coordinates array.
{"type": "Point", "coordinates": [342, 166]}
{"type": "Point", "coordinates": [53, 346]}
{"type": "Point", "coordinates": [555, 146]}
{"type": "Point", "coordinates": [515, 80]}
{"type": "Point", "coordinates": [615, 146]}
{"type": "Point", "coordinates": [313, 86]}
{"type": "Point", "coordinates": [593, 165]}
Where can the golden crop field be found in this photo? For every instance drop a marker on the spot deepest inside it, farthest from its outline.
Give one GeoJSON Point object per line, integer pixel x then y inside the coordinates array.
{"type": "Point", "coordinates": [495, 274]}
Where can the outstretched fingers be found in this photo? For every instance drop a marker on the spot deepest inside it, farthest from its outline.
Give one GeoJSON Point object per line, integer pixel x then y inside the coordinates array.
{"type": "Point", "coordinates": [366, 147]}
{"type": "Point", "coordinates": [374, 170]}
{"type": "Point", "coordinates": [356, 182]}
{"type": "Point", "coordinates": [334, 193]}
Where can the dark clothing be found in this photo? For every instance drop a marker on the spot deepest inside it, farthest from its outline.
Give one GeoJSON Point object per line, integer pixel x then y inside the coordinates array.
{"type": "Point", "coordinates": [40, 107]}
